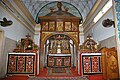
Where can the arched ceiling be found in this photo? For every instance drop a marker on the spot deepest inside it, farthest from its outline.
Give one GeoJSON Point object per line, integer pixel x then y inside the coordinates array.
{"type": "Point", "coordinates": [79, 8]}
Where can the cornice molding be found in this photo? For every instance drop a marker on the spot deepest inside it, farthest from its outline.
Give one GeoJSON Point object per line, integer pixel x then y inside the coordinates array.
{"type": "Point", "coordinates": [18, 14]}
{"type": "Point", "coordinates": [92, 24]}
{"type": "Point", "coordinates": [92, 12]}
{"type": "Point", "coordinates": [16, 17]}
{"type": "Point", "coordinates": [25, 11]}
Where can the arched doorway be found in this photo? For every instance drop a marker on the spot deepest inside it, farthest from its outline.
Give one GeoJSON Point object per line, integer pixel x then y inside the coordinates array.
{"type": "Point", "coordinates": [59, 51]}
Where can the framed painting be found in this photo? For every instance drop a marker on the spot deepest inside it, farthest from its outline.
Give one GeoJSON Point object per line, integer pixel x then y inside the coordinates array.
{"type": "Point", "coordinates": [59, 26]}
{"type": "Point", "coordinates": [51, 26]}
{"type": "Point", "coordinates": [44, 26]}
{"type": "Point", "coordinates": [74, 26]}
{"type": "Point", "coordinates": [67, 26]}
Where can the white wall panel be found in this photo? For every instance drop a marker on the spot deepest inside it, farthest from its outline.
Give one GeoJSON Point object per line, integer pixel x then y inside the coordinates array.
{"type": "Point", "coordinates": [16, 30]}
{"type": "Point", "coordinates": [11, 33]}
{"type": "Point", "coordinates": [99, 32]}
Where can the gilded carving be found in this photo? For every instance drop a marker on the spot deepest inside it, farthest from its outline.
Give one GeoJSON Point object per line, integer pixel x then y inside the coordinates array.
{"type": "Point", "coordinates": [44, 35]}
{"type": "Point", "coordinates": [51, 26]}
{"type": "Point", "coordinates": [74, 27]}
{"type": "Point", "coordinates": [45, 26]}
{"type": "Point", "coordinates": [67, 26]}
{"type": "Point", "coordinates": [74, 35]}
{"type": "Point", "coordinates": [59, 26]}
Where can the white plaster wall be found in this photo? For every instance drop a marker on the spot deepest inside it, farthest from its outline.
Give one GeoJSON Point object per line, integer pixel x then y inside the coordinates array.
{"type": "Point", "coordinates": [81, 35]}
{"type": "Point", "coordinates": [16, 30]}
{"type": "Point", "coordinates": [11, 33]}
{"type": "Point", "coordinates": [37, 34]}
{"type": "Point", "coordinates": [1, 50]}
{"type": "Point", "coordinates": [109, 42]}
{"type": "Point", "coordinates": [81, 39]}
{"type": "Point", "coordinates": [37, 39]}
{"type": "Point", "coordinates": [99, 32]}
{"type": "Point", "coordinates": [95, 12]}
{"type": "Point", "coordinates": [9, 46]}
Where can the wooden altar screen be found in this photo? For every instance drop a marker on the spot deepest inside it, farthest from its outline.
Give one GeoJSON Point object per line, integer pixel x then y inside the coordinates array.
{"type": "Point", "coordinates": [55, 23]}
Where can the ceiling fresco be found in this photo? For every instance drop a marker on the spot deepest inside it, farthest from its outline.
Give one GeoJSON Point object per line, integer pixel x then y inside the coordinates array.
{"type": "Point", "coordinates": [79, 8]}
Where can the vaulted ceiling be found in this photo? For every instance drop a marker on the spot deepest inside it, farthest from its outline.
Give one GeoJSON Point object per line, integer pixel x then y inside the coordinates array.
{"type": "Point", "coordinates": [79, 8]}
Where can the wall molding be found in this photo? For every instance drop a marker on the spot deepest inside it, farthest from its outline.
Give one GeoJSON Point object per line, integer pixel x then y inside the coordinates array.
{"type": "Point", "coordinates": [23, 8]}
{"type": "Point", "coordinates": [92, 12]}
{"type": "Point", "coordinates": [91, 24]}
{"type": "Point", "coordinates": [11, 10]}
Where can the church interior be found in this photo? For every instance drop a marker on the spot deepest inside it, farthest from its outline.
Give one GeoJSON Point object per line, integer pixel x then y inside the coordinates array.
{"type": "Point", "coordinates": [59, 40]}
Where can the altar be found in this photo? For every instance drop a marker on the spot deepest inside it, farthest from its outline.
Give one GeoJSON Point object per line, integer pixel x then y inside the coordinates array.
{"type": "Point", "coordinates": [22, 63]}
{"type": "Point", "coordinates": [59, 60]}
{"type": "Point", "coordinates": [90, 63]}
{"type": "Point", "coordinates": [89, 58]}
{"type": "Point", "coordinates": [24, 60]}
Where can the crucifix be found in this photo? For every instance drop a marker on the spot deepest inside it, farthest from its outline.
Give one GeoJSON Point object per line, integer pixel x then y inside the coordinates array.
{"type": "Point", "coordinates": [27, 35]}
{"type": "Point", "coordinates": [89, 37]}
{"type": "Point", "coordinates": [27, 42]}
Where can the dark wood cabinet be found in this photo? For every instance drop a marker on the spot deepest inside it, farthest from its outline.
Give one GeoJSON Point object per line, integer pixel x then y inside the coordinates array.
{"type": "Point", "coordinates": [21, 63]}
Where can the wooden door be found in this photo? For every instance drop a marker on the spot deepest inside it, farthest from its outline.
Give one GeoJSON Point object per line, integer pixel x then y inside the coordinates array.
{"type": "Point", "coordinates": [110, 63]}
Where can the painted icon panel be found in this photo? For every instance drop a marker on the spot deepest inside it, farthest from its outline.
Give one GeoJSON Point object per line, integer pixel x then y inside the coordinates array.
{"type": "Point", "coordinates": [67, 26]}
{"type": "Point", "coordinates": [51, 26]}
{"type": "Point", "coordinates": [59, 26]}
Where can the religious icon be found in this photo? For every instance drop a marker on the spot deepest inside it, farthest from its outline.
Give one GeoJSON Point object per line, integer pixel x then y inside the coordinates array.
{"type": "Point", "coordinates": [59, 5]}
{"type": "Point", "coordinates": [67, 26]}
{"type": "Point", "coordinates": [51, 26]}
{"type": "Point", "coordinates": [45, 26]}
{"type": "Point", "coordinates": [27, 43]}
{"type": "Point", "coordinates": [59, 26]}
{"type": "Point", "coordinates": [74, 27]}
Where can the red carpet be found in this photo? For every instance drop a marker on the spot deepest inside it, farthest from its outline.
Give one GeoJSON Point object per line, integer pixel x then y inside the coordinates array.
{"type": "Point", "coordinates": [43, 73]}
{"type": "Point", "coordinates": [74, 72]}
{"type": "Point", "coordinates": [59, 72]}
{"type": "Point", "coordinates": [95, 77]}
{"type": "Point", "coordinates": [16, 78]}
